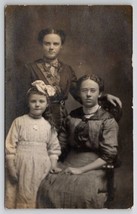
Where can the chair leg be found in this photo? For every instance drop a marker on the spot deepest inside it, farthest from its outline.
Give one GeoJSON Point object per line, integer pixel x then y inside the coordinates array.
{"type": "Point", "coordinates": [110, 186]}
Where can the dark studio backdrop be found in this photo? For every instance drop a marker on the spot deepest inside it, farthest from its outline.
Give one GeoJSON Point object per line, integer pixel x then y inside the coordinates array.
{"type": "Point", "coordinates": [99, 40]}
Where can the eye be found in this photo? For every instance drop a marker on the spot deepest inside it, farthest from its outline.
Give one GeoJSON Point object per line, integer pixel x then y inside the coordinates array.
{"type": "Point", "coordinates": [32, 101]}
{"type": "Point", "coordinates": [42, 101]}
{"type": "Point", "coordinates": [84, 90]}
{"type": "Point", "coordinates": [56, 43]}
{"type": "Point", "coordinates": [46, 43]}
{"type": "Point", "coordinates": [93, 90]}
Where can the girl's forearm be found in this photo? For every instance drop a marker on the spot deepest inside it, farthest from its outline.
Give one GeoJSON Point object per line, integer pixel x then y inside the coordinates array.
{"type": "Point", "coordinates": [53, 162]}
{"type": "Point", "coordinates": [98, 163]}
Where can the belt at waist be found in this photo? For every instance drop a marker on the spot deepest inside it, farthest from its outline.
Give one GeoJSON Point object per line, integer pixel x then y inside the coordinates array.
{"type": "Point", "coordinates": [21, 143]}
{"type": "Point", "coordinates": [62, 102]}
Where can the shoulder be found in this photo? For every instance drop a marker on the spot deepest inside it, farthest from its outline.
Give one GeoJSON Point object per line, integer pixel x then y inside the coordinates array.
{"type": "Point", "coordinates": [46, 123]}
{"type": "Point", "coordinates": [31, 64]}
{"type": "Point", "coordinates": [21, 117]}
{"type": "Point", "coordinates": [107, 118]}
{"type": "Point", "coordinates": [65, 66]}
{"type": "Point", "coordinates": [103, 114]}
{"type": "Point", "coordinates": [18, 120]}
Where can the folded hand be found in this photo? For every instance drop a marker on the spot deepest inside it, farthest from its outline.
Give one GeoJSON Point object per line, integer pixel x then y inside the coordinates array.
{"type": "Point", "coordinates": [74, 171]}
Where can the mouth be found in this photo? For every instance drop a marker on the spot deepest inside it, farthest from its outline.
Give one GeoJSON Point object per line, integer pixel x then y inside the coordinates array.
{"type": "Point", "coordinates": [37, 109]}
{"type": "Point", "coordinates": [51, 52]}
{"type": "Point", "coordinates": [88, 100]}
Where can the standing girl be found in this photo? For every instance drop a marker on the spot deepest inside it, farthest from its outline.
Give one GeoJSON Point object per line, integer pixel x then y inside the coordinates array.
{"type": "Point", "coordinates": [32, 150]}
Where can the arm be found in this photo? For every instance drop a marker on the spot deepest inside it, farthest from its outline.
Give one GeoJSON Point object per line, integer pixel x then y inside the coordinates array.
{"type": "Point", "coordinates": [63, 138]}
{"type": "Point", "coordinates": [54, 151]}
{"type": "Point", "coordinates": [107, 147]}
{"type": "Point", "coordinates": [11, 144]}
{"type": "Point", "coordinates": [98, 163]}
{"type": "Point", "coordinates": [73, 86]}
{"type": "Point", "coordinates": [73, 91]}
{"type": "Point", "coordinates": [113, 100]}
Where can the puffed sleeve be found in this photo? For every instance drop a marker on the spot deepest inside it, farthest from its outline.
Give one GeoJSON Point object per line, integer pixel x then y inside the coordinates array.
{"type": "Point", "coordinates": [64, 133]}
{"type": "Point", "coordinates": [109, 142]}
{"type": "Point", "coordinates": [12, 140]}
{"type": "Point", "coordinates": [54, 149]}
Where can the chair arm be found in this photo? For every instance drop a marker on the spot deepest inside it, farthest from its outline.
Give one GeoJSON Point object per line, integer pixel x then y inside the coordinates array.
{"type": "Point", "coordinates": [108, 166]}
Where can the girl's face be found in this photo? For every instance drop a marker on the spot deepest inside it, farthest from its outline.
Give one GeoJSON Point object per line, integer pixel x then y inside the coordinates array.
{"type": "Point", "coordinates": [37, 104]}
{"type": "Point", "coordinates": [51, 46]}
{"type": "Point", "coordinates": [89, 93]}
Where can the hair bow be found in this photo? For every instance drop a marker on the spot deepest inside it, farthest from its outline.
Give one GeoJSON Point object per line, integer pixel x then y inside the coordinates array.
{"type": "Point", "coordinates": [43, 88]}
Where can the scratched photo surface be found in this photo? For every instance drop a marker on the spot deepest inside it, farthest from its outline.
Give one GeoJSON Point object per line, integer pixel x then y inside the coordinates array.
{"type": "Point", "coordinates": [99, 40]}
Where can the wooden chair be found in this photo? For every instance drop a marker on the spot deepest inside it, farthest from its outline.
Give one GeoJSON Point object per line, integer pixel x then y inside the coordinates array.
{"type": "Point", "coordinates": [116, 111]}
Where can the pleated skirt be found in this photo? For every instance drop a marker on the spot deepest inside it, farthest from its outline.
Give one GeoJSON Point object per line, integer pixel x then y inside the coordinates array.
{"type": "Point", "coordinates": [87, 190]}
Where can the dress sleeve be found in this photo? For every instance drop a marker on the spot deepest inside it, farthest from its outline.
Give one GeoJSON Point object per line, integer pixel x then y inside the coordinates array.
{"type": "Point", "coordinates": [12, 140]}
{"type": "Point", "coordinates": [109, 142]}
{"type": "Point", "coordinates": [73, 86]}
{"type": "Point", "coordinates": [54, 149]}
{"type": "Point", "coordinates": [63, 138]}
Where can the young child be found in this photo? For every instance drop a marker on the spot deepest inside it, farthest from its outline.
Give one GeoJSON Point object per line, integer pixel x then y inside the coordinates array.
{"type": "Point", "coordinates": [32, 150]}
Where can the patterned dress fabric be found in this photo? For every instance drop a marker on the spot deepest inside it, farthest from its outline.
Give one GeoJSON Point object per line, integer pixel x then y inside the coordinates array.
{"type": "Point", "coordinates": [58, 75]}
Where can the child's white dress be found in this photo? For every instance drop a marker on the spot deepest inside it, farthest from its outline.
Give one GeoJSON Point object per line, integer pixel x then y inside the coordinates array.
{"type": "Point", "coordinates": [31, 142]}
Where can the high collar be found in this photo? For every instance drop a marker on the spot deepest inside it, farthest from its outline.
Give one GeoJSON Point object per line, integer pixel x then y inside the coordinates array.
{"type": "Point", "coordinates": [54, 63]}
{"type": "Point", "coordinates": [90, 111]}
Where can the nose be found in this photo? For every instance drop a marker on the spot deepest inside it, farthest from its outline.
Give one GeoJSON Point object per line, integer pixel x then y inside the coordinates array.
{"type": "Point", "coordinates": [37, 104]}
{"type": "Point", "coordinates": [51, 47]}
{"type": "Point", "coordinates": [88, 93]}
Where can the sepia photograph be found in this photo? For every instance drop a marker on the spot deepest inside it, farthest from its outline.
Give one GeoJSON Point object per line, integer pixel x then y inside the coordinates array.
{"type": "Point", "coordinates": [68, 107]}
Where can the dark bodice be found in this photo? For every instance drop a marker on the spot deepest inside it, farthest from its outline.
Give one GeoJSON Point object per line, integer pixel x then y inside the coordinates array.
{"type": "Point", "coordinates": [97, 133]}
{"type": "Point", "coordinates": [64, 81]}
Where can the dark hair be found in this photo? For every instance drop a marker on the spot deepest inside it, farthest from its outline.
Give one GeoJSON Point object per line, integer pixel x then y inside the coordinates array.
{"type": "Point", "coordinates": [93, 77]}
{"type": "Point", "coordinates": [47, 31]}
{"type": "Point", "coordinates": [47, 114]}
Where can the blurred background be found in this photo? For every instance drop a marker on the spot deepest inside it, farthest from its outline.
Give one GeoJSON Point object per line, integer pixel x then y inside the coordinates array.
{"type": "Point", "coordinates": [99, 40]}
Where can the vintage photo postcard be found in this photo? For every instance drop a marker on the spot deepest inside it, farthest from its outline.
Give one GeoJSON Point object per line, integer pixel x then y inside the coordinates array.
{"type": "Point", "coordinates": [68, 107]}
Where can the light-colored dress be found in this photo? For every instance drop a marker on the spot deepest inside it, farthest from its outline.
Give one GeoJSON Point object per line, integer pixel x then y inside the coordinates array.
{"type": "Point", "coordinates": [30, 142]}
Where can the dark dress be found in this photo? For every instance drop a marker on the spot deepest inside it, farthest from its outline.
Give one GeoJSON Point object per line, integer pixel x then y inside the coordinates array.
{"type": "Point", "coordinates": [86, 139]}
{"type": "Point", "coordinates": [64, 81]}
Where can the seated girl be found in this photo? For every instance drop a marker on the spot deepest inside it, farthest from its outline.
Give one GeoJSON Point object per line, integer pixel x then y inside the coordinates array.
{"type": "Point", "coordinates": [88, 140]}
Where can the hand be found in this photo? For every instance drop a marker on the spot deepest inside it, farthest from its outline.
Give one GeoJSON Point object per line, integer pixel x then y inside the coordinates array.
{"type": "Point", "coordinates": [114, 100]}
{"type": "Point", "coordinates": [13, 174]}
{"type": "Point", "coordinates": [12, 171]}
{"type": "Point", "coordinates": [74, 171]}
{"type": "Point", "coordinates": [55, 170]}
